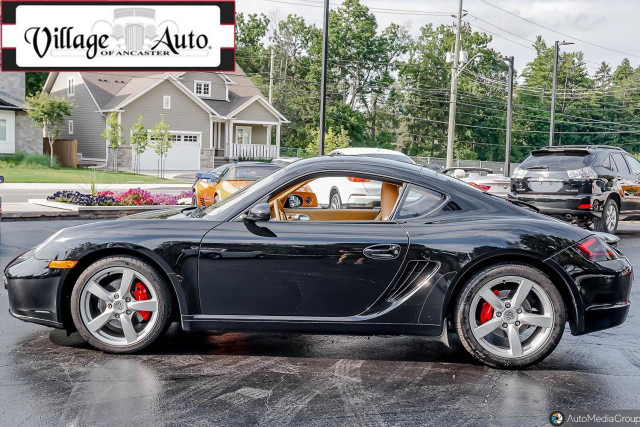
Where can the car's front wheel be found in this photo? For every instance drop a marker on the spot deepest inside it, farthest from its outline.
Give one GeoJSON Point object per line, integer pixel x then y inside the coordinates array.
{"type": "Point", "coordinates": [610, 217]}
{"type": "Point", "coordinates": [121, 304]}
{"type": "Point", "coordinates": [510, 316]}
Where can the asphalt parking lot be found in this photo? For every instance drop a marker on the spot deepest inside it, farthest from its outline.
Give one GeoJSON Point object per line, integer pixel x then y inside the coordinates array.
{"type": "Point", "coordinates": [47, 378]}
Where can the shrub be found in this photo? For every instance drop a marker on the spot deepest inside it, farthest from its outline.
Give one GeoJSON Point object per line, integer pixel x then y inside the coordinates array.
{"type": "Point", "coordinates": [134, 197]}
{"type": "Point", "coordinates": [82, 199]}
{"type": "Point", "coordinates": [28, 160]}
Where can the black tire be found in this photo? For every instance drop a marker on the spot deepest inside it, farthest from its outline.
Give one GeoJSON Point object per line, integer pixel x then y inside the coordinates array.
{"type": "Point", "coordinates": [476, 283]}
{"type": "Point", "coordinates": [335, 202]}
{"type": "Point", "coordinates": [194, 200]}
{"type": "Point", "coordinates": [216, 199]}
{"type": "Point", "coordinates": [161, 288]}
{"type": "Point", "coordinates": [610, 218]}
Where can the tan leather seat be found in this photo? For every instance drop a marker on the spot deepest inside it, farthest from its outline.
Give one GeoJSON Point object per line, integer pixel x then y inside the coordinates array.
{"type": "Point", "coordinates": [388, 198]}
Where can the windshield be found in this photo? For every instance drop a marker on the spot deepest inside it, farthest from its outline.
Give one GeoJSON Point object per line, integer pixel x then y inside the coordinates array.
{"type": "Point", "coordinates": [223, 206]}
{"type": "Point", "coordinates": [557, 161]}
{"type": "Point", "coordinates": [254, 173]}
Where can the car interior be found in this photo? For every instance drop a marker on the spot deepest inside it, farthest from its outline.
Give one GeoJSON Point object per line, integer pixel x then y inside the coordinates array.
{"type": "Point", "coordinates": [382, 211]}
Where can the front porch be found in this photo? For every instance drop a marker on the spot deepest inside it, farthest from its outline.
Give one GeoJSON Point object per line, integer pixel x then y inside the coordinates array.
{"type": "Point", "coordinates": [240, 140]}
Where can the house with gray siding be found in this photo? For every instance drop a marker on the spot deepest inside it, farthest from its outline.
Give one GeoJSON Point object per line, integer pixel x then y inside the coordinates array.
{"type": "Point", "coordinates": [212, 117]}
{"type": "Point", "coordinates": [17, 132]}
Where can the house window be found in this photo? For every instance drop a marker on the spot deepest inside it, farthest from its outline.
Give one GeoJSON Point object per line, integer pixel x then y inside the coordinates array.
{"type": "Point", "coordinates": [243, 135]}
{"type": "Point", "coordinates": [3, 130]}
{"type": "Point", "coordinates": [70, 127]}
{"type": "Point", "coordinates": [166, 102]}
{"type": "Point", "coordinates": [71, 86]}
{"type": "Point", "coordinates": [176, 138]}
{"type": "Point", "coordinates": [201, 88]}
{"type": "Point", "coordinates": [190, 138]}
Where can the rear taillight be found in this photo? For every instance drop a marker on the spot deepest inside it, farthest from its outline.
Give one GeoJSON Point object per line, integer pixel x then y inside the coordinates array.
{"type": "Point", "coordinates": [354, 179]}
{"type": "Point", "coordinates": [595, 249]}
{"type": "Point", "coordinates": [584, 173]}
{"type": "Point", "coordinates": [480, 187]}
{"type": "Point", "coordinates": [584, 206]}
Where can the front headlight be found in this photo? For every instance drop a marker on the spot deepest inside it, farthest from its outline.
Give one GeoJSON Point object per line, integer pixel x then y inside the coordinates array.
{"type": "Point", "coordinates": [584, 173]}
{"type": "Point", "coordinates": [519, 173]}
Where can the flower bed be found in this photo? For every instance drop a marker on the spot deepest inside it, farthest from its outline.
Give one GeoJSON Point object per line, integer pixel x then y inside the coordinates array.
{"type": "Point", "coordinates": [131, 197]}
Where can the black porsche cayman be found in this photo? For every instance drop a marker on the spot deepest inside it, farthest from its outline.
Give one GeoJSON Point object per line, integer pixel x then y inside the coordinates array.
{"type": "Point", "coordinates": [432, 255]}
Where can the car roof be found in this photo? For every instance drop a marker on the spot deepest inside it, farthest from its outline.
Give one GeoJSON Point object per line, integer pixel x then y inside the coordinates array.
{"type": "Point", "coordinates": [344, 162]}
{"type": "Point", "coordinates": [589, 148]}
{"type": "Point", "coordinates": [358, 151]}
{"type": "Point", "coordinates": [253, 164]}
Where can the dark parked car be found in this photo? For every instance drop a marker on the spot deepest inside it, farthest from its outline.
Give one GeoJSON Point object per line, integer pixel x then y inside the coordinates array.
{"type": "Point", "coordinates": [585, 185]}
{"type": "Point", "coordinates": [435, 255]}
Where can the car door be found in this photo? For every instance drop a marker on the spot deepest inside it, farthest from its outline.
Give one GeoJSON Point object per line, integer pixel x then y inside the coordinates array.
{"type": "Point", "coordinates": [634, 191]}
{"type": "Point", "coordinates": [298, 268]}
{"type": "Point", "coordinates": [627, 182]}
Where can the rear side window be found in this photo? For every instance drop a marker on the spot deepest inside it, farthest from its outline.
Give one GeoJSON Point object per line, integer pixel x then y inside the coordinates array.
{"type": "Point", "coordinates": [607, 164]}
{"type": "Point", "coordinates": [418, 202]}
{"type": "Point", "coordinates": [557, 161]}
{"type": "Point", "coordinates": [634, 164]}
{"type": "Point", "coordinates": [618, 159]}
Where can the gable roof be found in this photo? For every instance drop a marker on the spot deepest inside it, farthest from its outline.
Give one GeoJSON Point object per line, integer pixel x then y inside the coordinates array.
{"type": "Point", "coordinates": [113, 91]}
{"type": "Point", "coordinates": [10, 102]}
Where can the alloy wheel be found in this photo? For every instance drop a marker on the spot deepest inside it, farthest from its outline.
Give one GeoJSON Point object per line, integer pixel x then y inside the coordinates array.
{"type": "Point", "coordinates": [610, 217]}
{"type": "Point", "coordinates": [118, 306]}
{"type": "Point", "coordinates": [335, 202]}
{"type": "Point", "coordinates": [511, 317]}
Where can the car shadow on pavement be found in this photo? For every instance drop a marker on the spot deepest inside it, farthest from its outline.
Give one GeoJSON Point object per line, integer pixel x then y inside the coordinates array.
{"type": "Point", "coordinates": [380, 348]}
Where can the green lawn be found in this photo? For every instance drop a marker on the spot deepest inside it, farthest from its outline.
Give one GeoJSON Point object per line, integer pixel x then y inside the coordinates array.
{"type": "Point", "coordinates": [36, 175]}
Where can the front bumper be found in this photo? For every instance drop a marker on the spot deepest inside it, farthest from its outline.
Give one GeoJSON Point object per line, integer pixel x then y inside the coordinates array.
{"type": "Point", "coordinates": [562, 205]}
{"type": "Point", "coordinates": [34, 291]}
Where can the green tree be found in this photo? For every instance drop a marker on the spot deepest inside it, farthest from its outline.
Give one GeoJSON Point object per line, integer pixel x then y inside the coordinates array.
{"type": "Point", "coordinates": [603, 77]}
{"type": "Point", "coordinates": [161, 142]}
{"type": "Point", "coordinates": [113, 135]}
{"type": "Point", "coordinates": [332, 141]}
{"type": "Point", "coordinates": [49, 113]}
{"type": "Point", "coordinates": [251, 55]}
{"type": "Point", "coordinates": [139, 141]}
{"type": "Point", "coordinates": [35, 82]}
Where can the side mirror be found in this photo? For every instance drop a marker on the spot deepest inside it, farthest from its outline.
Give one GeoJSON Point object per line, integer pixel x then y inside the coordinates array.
{"type": "Point", "coordinates": [259, 213]}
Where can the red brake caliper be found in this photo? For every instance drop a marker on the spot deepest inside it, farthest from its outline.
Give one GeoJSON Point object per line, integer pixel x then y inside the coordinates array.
{"type": "Point", "coordinates": [486, 313]}
{"type": "Point", "coordinates": [140, 294]}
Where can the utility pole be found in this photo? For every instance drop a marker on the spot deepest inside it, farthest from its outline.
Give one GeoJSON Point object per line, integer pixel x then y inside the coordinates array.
{"type": "Point", "coordinates": [553, 90]}
{"type": "Point", "coordinates": [507, 153]}
{"type": "Point", "coordinates": [454, 90]}
{"type": "Point", "coordinates": [323, 89]}
{"type": "Point", "coordinates": [271, 77]}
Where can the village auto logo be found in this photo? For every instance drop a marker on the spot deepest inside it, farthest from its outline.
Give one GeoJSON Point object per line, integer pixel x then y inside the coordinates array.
{"type": "Point", "coordinates": [118, 35]}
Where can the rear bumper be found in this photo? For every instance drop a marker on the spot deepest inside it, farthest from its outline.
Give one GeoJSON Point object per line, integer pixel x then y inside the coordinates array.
{"type": "Point", "coordinates": [557, 205]}
{"type": "Point", "coordinates": [601, 291]}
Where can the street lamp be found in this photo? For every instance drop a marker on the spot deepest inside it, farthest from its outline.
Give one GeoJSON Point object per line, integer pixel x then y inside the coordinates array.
{"type": "Point", "coordinates": [553, 91]}
{"type": "Point", "coordinates": [323, 89]}
{"type": "Point", "coordinates": [507, 153]}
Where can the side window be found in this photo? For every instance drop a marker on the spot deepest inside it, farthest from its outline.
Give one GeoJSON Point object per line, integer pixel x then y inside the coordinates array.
{"type": "Point", "coordinates": [620, 163]}
{"type": "Point", "coordinates": [607, 164]}
{"type": "Point", "coordinates": [418, 202]}
{"type": "Point", "coordinates": [634, 164]}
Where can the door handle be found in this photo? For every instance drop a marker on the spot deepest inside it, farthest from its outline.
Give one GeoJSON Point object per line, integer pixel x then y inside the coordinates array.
{"type": "Point", "coordinates": [386, 252]}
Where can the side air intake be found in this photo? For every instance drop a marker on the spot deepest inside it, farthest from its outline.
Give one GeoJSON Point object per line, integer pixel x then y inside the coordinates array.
{"type": "Point", "coordinates": [415, 274]}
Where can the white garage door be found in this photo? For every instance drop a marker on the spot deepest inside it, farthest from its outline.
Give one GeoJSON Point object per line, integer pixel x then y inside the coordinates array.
{"type": "Point", "coordinates": [183, 156]}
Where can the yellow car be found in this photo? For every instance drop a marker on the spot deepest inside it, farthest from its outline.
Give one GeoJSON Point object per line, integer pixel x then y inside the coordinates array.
{"type": "Point", "coordinates": [237, 176]}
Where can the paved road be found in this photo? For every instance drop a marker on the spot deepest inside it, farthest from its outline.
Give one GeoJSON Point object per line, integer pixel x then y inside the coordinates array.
{"type": "Point", "coordinates": [237, 379]}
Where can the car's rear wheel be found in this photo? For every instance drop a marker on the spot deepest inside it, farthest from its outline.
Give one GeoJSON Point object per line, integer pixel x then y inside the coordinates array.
{"type": "Point", "coordinates": [120, 304]}
{"type": "Point", "coordinates": [510, 316]}
{"type": "Point", "coordinates": [335, 202]}
{"type": "Point", "coordinates": [610, 217]}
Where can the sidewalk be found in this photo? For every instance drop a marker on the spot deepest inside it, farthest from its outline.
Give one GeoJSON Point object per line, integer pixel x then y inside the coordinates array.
{"type": "Point", "coordinates": [85, 188]}
{"type": "Point", "coordinates": [27, 211]}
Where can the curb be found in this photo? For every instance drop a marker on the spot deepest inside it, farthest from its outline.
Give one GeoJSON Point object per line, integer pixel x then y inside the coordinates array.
{"type": "Point", "coordinates": [66, 211]}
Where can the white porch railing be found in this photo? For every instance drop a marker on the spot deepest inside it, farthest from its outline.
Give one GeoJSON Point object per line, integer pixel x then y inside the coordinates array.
{"type": "Point", "coordinates": [254, 151]}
